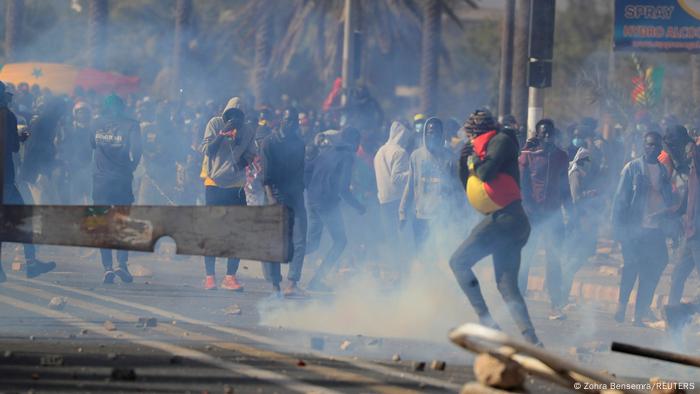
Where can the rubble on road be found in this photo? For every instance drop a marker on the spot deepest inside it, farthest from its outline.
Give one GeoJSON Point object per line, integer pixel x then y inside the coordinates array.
{"type": "Point", "coordinates": [396, 358]}
{"type": "Point", "coordinates": [375, 342]}
{"type": "Point", "coordinates": [58, 303]}
{"type": "Point", "coordinates": [419, 366]}
{"type": "Point", "coordinates": [495, 370]}
{"type": "Point", "coordinates": [84, 331]}
{"type": "Point", "coordinates": [301, 363]}
{"type": "Point", "coordinates": [228, 389]}
{"type": "Point", "coordinates": [7, 354]}
{"type": "Point", "coordinates": [147, 322]}
{"type": "Point", "coordinates": [112, 356]}
{"type": "Point", "coordinates": [51, 360]}
{"type": "Point", "coordinates": [233, 310]}
{"type": "Point", "coordinates": [438, 365]}
{"type": "Point", "coordinates": [109, 326]}
{"type": "Point", "coordinates": [345, 345]}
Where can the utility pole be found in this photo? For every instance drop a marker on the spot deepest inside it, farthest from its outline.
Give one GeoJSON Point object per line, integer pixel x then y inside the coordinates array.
{"type": "Point", "coordinates": [520, 60]}
{"type": "Point", "coordinates": [540, 53]}
{"type": "Point", "coordinates": [349, 65]}
{"type": "Point", "coordinates": [506, 77]}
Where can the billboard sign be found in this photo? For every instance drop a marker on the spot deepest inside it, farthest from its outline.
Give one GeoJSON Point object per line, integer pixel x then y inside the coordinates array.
{"type": "Point", "coordinates": [657, 25]}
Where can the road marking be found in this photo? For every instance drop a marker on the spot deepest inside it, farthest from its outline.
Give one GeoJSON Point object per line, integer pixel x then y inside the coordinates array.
{"type": "Point", "coordinates": [329, 372]}
{"type": "Point", "coordinates": [241, 369]}
{"type": "Point", "coordinates": [366, 365]}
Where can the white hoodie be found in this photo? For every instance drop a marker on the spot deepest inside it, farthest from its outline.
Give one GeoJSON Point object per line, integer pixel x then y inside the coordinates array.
{"type": "Point", "coordinates": [391, 164]}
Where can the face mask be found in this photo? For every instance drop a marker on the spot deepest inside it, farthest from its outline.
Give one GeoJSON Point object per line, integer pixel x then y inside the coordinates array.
{"type": "Point", "coordinates": [577, 142]}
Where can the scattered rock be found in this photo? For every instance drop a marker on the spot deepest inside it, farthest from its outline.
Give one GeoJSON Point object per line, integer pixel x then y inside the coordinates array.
{"type": "Point", "coordinates": [301, 363]}
{"type": "Point", "coordinates": [112, 356]}
{"type": "Point", "coordinates": [496, 371]}
{"type": "Point", "coordinates": [245, 267]}
{"type": "Point", "coordinates": [139, 271]}
{"type": "Point", "coordinates": [7, 354]}
{"type": "Point", "coordinates": [71, 336]}
{"type": "Point", "coordinates": [175, 360]}
{"type": "Point", "coordinates": [233, 310]}
{"type": "Point", "coordinates": [228, 389]}
{"type": "Point", "coordinates": [345, 345]}
{"type": "Point", "coordinates": [438, 365]}
{"type": "Point", "coordinates": [58, 303]}
{"type": "Point", "coordinates": [32, 337]}
{"type": "Point", "coordinates": [84, 331]}
{"type": "Point", "coordinates": [147, 322]}
{"type": "Point", "coordinates": [51, 360]}
{"type": "Point", "coordinates": [80, 350]}
{"type": "Point", "coordinates": [208, 348]}
{"type": "Point", "coordinates": [375, 342]}
{"type": "Point", "coordinates": [174, 322]}
{"type": "Point", "coordinates": [419, 366]}
{"type": "Point", "coordinates": [317, 343]}
{"type": "Point", "coordinates": [661, 386]}
{"type": "Point", "coordinates": [396, 358]}
{"type": "Point", "coordinates": [123, 374]}
{"type": "Point", "coordinates": [109, 326]}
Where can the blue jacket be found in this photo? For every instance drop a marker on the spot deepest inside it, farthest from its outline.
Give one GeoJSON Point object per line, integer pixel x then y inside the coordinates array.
{"type": "Point", "coordinates": [631, 197]}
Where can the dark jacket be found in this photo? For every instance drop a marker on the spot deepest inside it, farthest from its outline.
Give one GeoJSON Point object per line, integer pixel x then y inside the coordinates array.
{"type": "Point", "coordinates": [282, 160]}
{"type": "Point", "coordinates": [631, 197]}
{"type": "Point", "coordinates": [544, 180]}
{"type": "Point", "coordinates": [327, 177]}
{"type": "Point", "coordinates": [8, 123]}
{"type": "Point", "coordinates": [117, 145]}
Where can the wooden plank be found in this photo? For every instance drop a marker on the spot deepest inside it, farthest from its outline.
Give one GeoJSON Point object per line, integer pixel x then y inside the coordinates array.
{"type": "Point", "coordinates": [256, 233]}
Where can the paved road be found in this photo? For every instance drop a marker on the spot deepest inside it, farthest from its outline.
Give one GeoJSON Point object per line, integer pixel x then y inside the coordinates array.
{"type": "Point", "coordinates": [195, 347]}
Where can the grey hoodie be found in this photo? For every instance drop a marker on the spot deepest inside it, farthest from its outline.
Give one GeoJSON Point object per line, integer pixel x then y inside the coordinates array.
{"type": "Point", "coordinates": [225, 163]}
{"type": "Point", "coordinates": [391, 164]}
{"type": "Point", "coordinates": [432, 181]}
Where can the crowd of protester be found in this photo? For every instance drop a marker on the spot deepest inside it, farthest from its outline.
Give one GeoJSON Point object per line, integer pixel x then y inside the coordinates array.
{"type": "Point", "coordinates": [555, 190]}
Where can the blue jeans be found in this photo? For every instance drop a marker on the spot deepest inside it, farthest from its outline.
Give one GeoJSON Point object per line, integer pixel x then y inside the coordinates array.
{"type": "Point", "coordinates": [219, 196]}
{"type": "Point", "coordinates": [12, 196]}
{"type": "Point", "coordinates": [332, 219]}
{"type": "Point", "coordinates": [104, 194]}
{"type": "Point", "coordinates": [273, 271]}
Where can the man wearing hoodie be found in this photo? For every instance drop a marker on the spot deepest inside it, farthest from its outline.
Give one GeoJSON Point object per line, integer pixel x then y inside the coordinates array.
{"type": "Point", "coordinates": [391, 172]}
{"type": "Point", "coordinates": [327, 177]}
{"type": "Point", "coordinates": [545, 190]}
{"type": "Point", "coordinates": [75, 155]}
{"type": "Point", "coordinates": [430, 184]}
{"type": "Point", "coordinates": [117, 152]}
{"type": "Point", "coordinates": [489, 170]}
{"type": "Point", "coordinates": [642, 199]}
{"type": "Point", "coordinates": [11, 195]}
{"type": "Point", "coordinates": [228, 148]}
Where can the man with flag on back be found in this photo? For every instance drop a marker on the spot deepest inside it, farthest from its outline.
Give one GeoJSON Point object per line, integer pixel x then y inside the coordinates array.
{"type": "Point", "coordinates": [489, 171]}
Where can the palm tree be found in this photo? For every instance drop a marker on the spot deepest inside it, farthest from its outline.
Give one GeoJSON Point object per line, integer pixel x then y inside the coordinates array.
{"type": "Point", "coordinates": [183, 13]}
{"type": "Point", "coordinates": [520, 60]}
{"type": "Point", "coordinates": [13, 21]}
{"type": "Point", "coordinates": [97, 32]}
{"type": "Point", "coordinates": [263, 49]}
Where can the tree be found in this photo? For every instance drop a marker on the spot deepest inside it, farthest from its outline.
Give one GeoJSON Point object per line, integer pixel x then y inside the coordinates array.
{"type": "Point", "coordinates": [97, 32]}
{"type": "Point", "coordinates": [13, 22]}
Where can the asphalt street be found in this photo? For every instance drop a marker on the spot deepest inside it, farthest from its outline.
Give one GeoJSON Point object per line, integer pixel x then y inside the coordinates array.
{"type": "Point", "coordinates": [95, 343]}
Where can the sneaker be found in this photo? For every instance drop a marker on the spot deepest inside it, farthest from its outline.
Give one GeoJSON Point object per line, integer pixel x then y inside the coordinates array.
{"type": "Point", "coordinates": [294, 291]}
{"type": "Point", "coordinates": [109, 277]}
{"type": "Point", "coordinates": [124, 274]}
{"type": "Point", "coordinates": [231, 283]}
{"type": "Point", "coordinates": [37, 267]}
{"type": "Point", "coordinates": [210, 282]}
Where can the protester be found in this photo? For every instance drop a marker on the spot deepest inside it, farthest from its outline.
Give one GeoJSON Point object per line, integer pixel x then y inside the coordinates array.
{"type": "Point", "coordinates": [117, 152]}
{"type": "Point", "coordinates": [283, 179]}
{"type": "Point", "coordinates": [642, 198]}
{"type": "Point", "coordinates": [228, 148]}
{"type": "Point", "coordinates": [327, 177]}
{"type": "Point", "coordinates": [74, 153]}
{"type": "Point", "coordinates": [489, 170]}
{"type": "Point", "coordinates": [545, 192]}
{"type": "Point", "coordinates": [11, 195]}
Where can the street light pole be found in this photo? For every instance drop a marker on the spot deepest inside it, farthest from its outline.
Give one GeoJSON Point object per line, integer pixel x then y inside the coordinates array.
{"type": "Point", "coordinates": [348, 72]}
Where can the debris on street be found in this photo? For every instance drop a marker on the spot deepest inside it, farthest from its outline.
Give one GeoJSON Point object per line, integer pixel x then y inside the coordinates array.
{"type": "Point", "coordinates": [139, 271]}
{"type": "Point", "coordinates": [497, 371]}
{"type": "Point", "coordinates": [438, 365]}
{"type": "Point", "coordinates": [419, 366]}
{"type": "Point", "coordinates": [109, 326]}
{"type": "Point", "coordinates": [58, 303]}
{"type": "Point", "coordinates": [396, 358]}
{"type": "Point", "coordinates": [147, 322]}
{"type": "Point", "coordinates": [301, 363]}
{"type": "Point", "coordinates": [233, 310]}
{"type": "Point", "coordinates": [345, 345]}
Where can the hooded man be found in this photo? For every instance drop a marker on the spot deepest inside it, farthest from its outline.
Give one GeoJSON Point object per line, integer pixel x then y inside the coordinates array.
{"type": "Point", "coordinates": [327, 177]}
{"type": "Point", "coordinates": [391, 172]}
{"type": "Point", "coordinates": [642, 199]}
{"type": "Point", "coordinates": [11, 195]}
{"type": "Point", "coordinates": [282, 158]}
{"type": "Point", "coordinates": [545, 190]}
{"type": "Point", "coordinates": [489, 171]}
{"type": "Point", "coordinates": [228, 148]}
{"type": "Point", "coordinates": [117, 152]}
{"type": "Point", "coordinates": [431, 182]}
{"type": "Point", "coordinates": [75, 155]}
